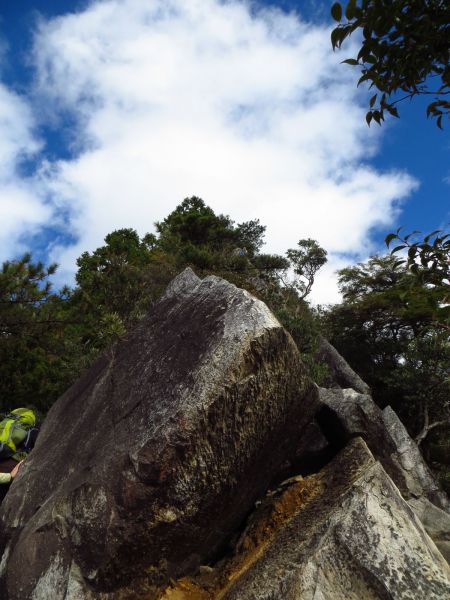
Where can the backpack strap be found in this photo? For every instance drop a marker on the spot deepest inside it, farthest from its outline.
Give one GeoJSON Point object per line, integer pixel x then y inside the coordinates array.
{"type": "Point", "coordinates": [8, 429]}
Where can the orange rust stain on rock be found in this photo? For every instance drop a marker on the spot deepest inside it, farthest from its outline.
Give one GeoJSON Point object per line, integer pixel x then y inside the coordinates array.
{"type": "Point", "coordinates": [186, 589]}
{"type": "Point", "coordinates": [274, 512]}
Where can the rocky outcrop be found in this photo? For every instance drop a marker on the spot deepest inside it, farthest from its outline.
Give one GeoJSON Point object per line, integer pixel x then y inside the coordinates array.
{"type": "Point", "coordinates": [418, 479]}
{"type": "Point", "coordinates": [341, 375]}
{"type": "Point", "coordinates": [148, 468]}
{"type": "Point", "coordinates": [426, 498]}
{"type": "Point", "coordinates": [347, 413]}
{"type": "Point", "coordinates": [148, 464]}
{"type": "Point", "coordinates": [343, 534]}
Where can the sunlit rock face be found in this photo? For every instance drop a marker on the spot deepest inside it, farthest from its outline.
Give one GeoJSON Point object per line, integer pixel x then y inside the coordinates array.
{"type": "Point", "coordinates": [345, 413]}
{"type": "Point", "coordinates": [149, 463]}
{"type": "Point", "coordinates": [345, 533]}
{"type": "Point", "coordinates": [197, 461]}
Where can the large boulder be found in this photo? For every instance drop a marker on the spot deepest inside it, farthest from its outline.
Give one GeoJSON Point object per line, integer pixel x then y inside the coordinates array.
{"type": "Point", "coordinates": [347, 409]}
{"type": "Point", "coordinates": [146, 466]}
{"type": "Point", "coordinates": [345, 413]}
{"type": "Point", "coordinates": [345, 533]}
{"type": "Point", "coordinates": [418, 478]}
{"type": "Point", "coordinates": [425, 496]}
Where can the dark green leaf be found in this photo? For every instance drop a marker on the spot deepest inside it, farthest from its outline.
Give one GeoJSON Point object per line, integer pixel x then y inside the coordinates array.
{"type": "Point", "coordinates": [377, 116]}
{"type": "Point", "coordinates": [394, 112]}
{"type": "Point", "coordinates": [427, 238]}
{"type": "Point", "coordinates": [364, 77]}
{"type": "Point", "coordinates": [444, 312]}
{"type": "Point", "coordinates": [350, 10]}
{"type": "Point", "coordinates": [411, 234]}
{"type": "Point", "coordinates": [397, 263]}
{"type": "Point", "coordinates": [391, 236]}
{"type": "Point", "coordinates": [397, 248]}
{"type": "Point", "coordinates": [336, 11]}
{"type": "Point", "coordinates": [335, 38]}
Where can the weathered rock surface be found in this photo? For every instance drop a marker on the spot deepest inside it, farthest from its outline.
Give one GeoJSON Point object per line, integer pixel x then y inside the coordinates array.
{"type": "Point", "coordinates": [146, 469]}
{"type": "Point", "coordinates": [426, 498]}
{"type": "Point", "coordinates": [341, 374]}
{"type": "Point", "coordinates": [419, 480]}
{"type": "Point", "coordinates": [436, 522]}
{"type": "Point", "coordinates": [150, 461]}
{"type": "Point", "coordinates": [347, 413]}
{"type": "Point", "coordinates": [343, 534]}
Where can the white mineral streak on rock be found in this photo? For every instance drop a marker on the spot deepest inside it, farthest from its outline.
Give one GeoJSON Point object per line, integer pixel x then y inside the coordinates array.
{"type": "Point", "coordinates": [76, 586]}
{"type": "Point", "coordinates": [52, 584]}
{"type": "Point", "coordinates": [4, 560]}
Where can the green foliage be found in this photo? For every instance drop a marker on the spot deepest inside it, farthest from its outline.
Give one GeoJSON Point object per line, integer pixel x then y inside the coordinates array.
{"type": "Point", "coordinates": [428, 259]}
{"type": "Point", "coordinates": [196, 236]}
{"type": "Point", "coordinates": [387, 330]}
{"type": "Point", "coordinates": [36, 353]}
{"type": "Point", "coordinates": [49, 338]}
{"type": "Point", "coordinates": [250, 235]}
{"type": "Point", "coordinates": [117, 284]}
{"type": "Point", "coordinates": [301, 322]}
{"type": "Point", "coordinates": [306, 262]}
{"type": "Point", "coordinates": [405, 50]}
{"type": "Point", "coordinates": [192, 225]}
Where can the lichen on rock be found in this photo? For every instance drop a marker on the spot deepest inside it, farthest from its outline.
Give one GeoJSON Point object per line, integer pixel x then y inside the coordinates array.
{"type": "Point", "coordinates": [168, 441]}
{"type": "Point", "coordinates": [344, 533]}
{"type": "Point", "coordinates": [199, 461]}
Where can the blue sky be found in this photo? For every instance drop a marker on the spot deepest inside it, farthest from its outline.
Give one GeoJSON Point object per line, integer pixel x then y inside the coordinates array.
{"type": "Point", "coordinates": [112, 111]}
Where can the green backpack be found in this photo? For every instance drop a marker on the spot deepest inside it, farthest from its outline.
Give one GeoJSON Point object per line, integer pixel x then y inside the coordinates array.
{"type": "Point", "coordinates": [14, 431]}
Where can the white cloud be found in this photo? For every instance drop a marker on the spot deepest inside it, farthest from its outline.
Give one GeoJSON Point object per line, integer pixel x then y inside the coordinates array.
{"type": "Point", "coordinates": [249, 110]}
{"type": "Point", "coordinates": [20, 210]}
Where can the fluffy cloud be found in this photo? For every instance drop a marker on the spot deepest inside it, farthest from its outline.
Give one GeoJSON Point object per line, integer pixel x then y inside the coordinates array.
{"type": "Point", "coordinates": [21, 211]}
{"type": "Point", "coordinates": [246, 108]}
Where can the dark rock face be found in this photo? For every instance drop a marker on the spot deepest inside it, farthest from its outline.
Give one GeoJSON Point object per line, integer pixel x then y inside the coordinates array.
{"type": "Point", "coordinates": [149, 465]}
{"type": "Point", "coordinates": [150, 461]}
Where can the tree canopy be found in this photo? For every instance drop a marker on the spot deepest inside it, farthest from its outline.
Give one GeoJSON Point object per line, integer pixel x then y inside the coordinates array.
{"type": "Point", "coordinates": [37, 350]}
{"type": "Point", "coordinates": [405, 51]}
{"type": "Point", "coordinates": [386, 328]}
{"type": "Point", "coordinates": [428, 260]}
{"type": "Point", "coordinates": [49, 337]}
{"type": "Point", "coordinates": [306, 261]}
{"type": "Point", "coordinates": [392, 325]}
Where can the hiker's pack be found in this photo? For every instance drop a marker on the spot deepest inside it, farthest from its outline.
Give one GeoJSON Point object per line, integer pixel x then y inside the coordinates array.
{"type": "Point", "coordinates": [16, 431]}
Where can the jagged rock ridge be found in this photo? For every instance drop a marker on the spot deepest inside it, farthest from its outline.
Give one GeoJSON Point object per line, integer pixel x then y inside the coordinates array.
{"type": "Point", "coordinates": [344, 533]}
{"type": "Point", "coordinates": [170, 439]}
